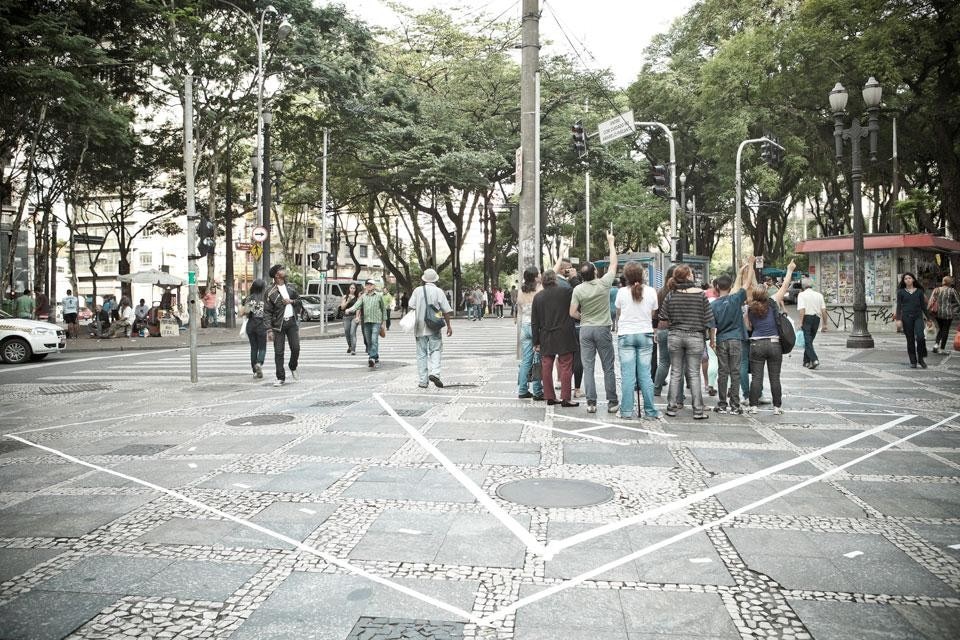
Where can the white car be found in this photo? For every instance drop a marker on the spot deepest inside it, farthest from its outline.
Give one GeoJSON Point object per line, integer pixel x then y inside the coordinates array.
{"type": "Point", "coordinates": [23, 340]}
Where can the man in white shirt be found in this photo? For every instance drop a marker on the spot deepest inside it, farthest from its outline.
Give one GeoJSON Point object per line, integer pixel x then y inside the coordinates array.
{"type": "Point", "coordinates": [811, 308]}
{"type": "Point", "coordinates": [429, 341]}
{"type": "Point", "coordinates": [71, 307]}
{"type": "Point", "coordinates": [278, 308]}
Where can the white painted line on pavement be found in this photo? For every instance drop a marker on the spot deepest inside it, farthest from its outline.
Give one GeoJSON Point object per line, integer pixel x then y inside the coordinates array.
{"type": "Point", "coordinates": [256, 527]}
{"type": "Point", "coordinates": [309, 512]}
{"type": "Point", "coordinates": [61, 363]}
{"type": "Point", "coordinates": [495, 509]}
{"type": "Point", "coordinates": [572, 582]}
{"type": "Point", "coordinates": [192, 465]}
{"type": "Point", "coordinates": [700, 560]}
{"type": "Point", "coordinates": [853, 554]}
{"type": "Point", "coordinates": [557, 545]}
{"type": "Point", "coordinates": [241, 485]}
{"type": "Point", "coordinates": [412, 532]}
{"type": "Point", "coordinates": [954, 546]}
{"type": "Point", "coordinates": [605, 425]}
{"type": "Point", "coordinates": [576, 434]}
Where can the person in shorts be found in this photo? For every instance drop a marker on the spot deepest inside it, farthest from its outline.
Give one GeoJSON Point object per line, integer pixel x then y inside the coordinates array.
{"type": "Point", "coordinates": [71, 307]}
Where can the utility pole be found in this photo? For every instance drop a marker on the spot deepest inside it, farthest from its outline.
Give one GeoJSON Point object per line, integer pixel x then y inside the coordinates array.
{"type": "Point", "coordinates": [529, 63]}
{"type": "Point", "coordinates": [192, 220]}
{"type": "Point", "coordinates": [230, 290]}
{"type": "Point", "coordinates": [323, 235]}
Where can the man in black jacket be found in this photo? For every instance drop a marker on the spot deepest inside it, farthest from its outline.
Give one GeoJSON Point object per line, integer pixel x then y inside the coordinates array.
{"type": "Point", "coordinates": [279, 310]}
{"type": "Point", "coordinates": [554, 337]}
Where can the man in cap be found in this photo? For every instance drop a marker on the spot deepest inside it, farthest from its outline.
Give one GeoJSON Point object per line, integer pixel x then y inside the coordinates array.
{"type": "Point", "coordinates": [374, 321]}
{"type": "Point", "coordinates": [429, 299]}
{"type": "Point", "coordinates": [278, 309]}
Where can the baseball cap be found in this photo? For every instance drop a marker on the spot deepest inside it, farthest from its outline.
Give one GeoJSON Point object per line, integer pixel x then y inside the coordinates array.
{"type": "Point", "coordinates": [371, 281]}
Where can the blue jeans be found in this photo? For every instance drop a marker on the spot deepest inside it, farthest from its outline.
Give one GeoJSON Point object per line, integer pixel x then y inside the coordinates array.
{"type": "Point", "coordinates": [636, 350]}
{"type": "Point", "coordinates": [258, 346]}
{"type": "Point", "coordinates": [686, 350]}
{"type": "Point", "coordinates": [596, 341]}
{"type": "Point", "coordinates": [429, 352]}
{"type": "Point", "coordinates": [745, 369]}
{"type": "Point", "coordinates": [810, 326]}
{"type": "Point", "coordinates": [527, 362]}
{"type": "Point", "coordinates": [663, 364]}
{"type": "Point", "coordinates": [350, 331]}
{"type": "Point", "coordinates": [371, 334]}
{"type": "Point", "coordinates": [211, 316]}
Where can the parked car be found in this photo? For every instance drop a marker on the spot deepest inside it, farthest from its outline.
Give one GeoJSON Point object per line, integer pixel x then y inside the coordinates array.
{"type": "Point", "coordinates": [23, 340]}
{"type": "Point", "coordinates": [310, 308]}
{"type": "Point", "coordinates": [790, 296]}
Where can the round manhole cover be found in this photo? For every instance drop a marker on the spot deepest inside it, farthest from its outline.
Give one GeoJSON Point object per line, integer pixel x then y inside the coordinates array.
{"type": "Point", "coordinates": [260, 420]}
{"type": "Point", "coordinates": [549, 492]}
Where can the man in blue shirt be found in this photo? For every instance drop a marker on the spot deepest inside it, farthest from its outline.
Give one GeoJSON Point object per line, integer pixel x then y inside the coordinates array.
{"type": "Point", "coordinates": [728, 313]}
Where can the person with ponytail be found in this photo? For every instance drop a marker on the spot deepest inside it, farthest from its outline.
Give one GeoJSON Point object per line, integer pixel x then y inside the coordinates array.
{"type": "Point", "coordinates": [529, 359]}
{"type": "Point", "coordinates": [765, 342]}
{"type": "Point", "coordinates": [636, 305]}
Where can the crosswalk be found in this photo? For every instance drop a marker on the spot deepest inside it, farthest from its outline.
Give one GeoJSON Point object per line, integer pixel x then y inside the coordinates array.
{"type": "Point", "coordinates": [470, 341]}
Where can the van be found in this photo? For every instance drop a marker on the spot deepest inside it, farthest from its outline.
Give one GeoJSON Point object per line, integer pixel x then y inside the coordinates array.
{"type": "Point", "coordinates": [336, 288]}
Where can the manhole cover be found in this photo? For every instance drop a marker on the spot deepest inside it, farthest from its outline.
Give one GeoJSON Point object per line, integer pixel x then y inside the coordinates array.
{"type": "Point", "coordinates": [334, 403]}
{"type": "Point", "coordinates": [559, 493]}
{"type": "Point", "coordinates": [260, 420]}
{"type": "Point", "coordinates": [408, 413]}
{"type": "Point", "coordinates": [73, 388]}
{"type": "Point", "coordinates": [368, 628]}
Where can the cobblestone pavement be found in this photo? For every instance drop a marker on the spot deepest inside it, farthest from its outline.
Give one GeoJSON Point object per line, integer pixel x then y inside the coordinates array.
{"type": "Point", "coordinates": [237, 510]}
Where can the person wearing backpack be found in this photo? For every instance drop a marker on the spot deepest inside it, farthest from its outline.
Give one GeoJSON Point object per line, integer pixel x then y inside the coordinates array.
{"type": "Point", "coordinates": [947, 308]}
{"type": "Point", "coordinates": [433, 312]}
{"type": "Point", "coordinates": [765, 349]}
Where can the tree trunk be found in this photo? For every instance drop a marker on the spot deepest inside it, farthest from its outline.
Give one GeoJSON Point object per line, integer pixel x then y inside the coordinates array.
{"type": "Point", "coordinates": [18, 218]}
{"type": "Point", "coordinates": [228, 288]}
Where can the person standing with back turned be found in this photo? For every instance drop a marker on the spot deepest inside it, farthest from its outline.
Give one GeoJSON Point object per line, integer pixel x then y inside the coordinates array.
{"type": "Point", "coordinates": [811, 308]}
{"type": "Point", "coordinates": [429, 340]}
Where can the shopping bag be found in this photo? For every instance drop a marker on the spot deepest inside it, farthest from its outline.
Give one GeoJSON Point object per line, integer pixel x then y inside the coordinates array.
{"type": "Point", "coordinates": [408, 321]}
{"type": "Point", "coordinates": [801, 342]}
{"type": "Point", "coordinates": [243, 328]}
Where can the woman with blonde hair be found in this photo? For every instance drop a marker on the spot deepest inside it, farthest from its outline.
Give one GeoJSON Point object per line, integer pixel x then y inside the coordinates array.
{"type": "Point", "coordinates": [636, 305]}
{"type": "Point", "coordinates": [948, 306]}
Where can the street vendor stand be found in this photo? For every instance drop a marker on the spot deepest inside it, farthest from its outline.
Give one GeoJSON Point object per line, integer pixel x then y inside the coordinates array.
{"type": "Point", "coordinates": [161, 319]}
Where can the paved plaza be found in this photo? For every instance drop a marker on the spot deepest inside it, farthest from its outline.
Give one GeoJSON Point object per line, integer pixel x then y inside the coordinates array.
{"type": "Point", "coordinates": [355, 506]}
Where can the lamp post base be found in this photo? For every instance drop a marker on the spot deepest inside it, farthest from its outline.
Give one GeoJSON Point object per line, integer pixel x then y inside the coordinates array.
{"type": "Point", "coordinates": [860, 341]}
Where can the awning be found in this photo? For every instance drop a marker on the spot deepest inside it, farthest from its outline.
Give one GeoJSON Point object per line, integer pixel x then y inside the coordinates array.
{"type": "Point", "coordinates": [923, 241]}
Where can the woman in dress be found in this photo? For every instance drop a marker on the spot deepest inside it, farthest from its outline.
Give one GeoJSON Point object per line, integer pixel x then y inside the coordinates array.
{"type": "Point", "coordinates": [350, 318]}
{"type": "Point", "coordinates": [911, 312]}
{"type": "Point", "coordinates": [765, 349]}
{"type": "Point", "coordinates": [529, 359]}
{"type": "Point", "coordinates": [948, 305]}
{"type": "Point", "coordinates": [636, 305]}
{"type": "Point", "coordinates": [256, 326]}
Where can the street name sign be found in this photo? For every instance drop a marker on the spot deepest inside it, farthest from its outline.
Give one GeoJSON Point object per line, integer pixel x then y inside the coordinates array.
{"type": "Point", "coordinates": [616, 128]}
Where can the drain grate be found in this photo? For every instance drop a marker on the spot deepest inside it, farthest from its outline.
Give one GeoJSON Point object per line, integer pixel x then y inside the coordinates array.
{"type": "Point", "coordinates": [408, 413]}
{"type": "Point", "coordinates": [260, 420]}
{"type": "Point", "coordinates": [334, 403]}
{"type": "Point", "coordinates": [74, 388]}
{"type": "Point", "coordinates": [368, 628]}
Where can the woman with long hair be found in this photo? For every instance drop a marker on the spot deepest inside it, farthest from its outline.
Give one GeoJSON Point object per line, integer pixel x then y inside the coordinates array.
{"type": "Point", "coordinates": [948, 306]}
{"type": "Point", "coordinates": [911, 312]}
{"type": "Point", "coordinates": [350, 318]}
{"type": "Point", "coordinates": [256, 325]}
{"type": "Point", "coordinates": [662, 327]}
{"type": "Point", "coordinates": [688, 311]}
{"type": "Point", "coordinates": [636, 305]}
{"type": "Point", "coordinates": [529, 359]}
{"type": "Point", "coordinates": [765, 349]}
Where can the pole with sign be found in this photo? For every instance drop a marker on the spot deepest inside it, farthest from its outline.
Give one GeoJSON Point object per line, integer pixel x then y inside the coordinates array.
{"type": "Point", "coordinates": [192, 219]}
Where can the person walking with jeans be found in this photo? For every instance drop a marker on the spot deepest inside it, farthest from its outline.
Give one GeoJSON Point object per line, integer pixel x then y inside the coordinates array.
{"type": "Point", "coordinates": [728, 314]}
{"type": "Point", "coordinates": [554, 337]}
{"type": "Point", "coordinates": [278, 307]}
{"type": "Point", "coordinates": [811, 309]}
{"type": "Point", "coordinates": [636, 305]}
{"type": "Point", "coordinates": [256, 327]}
{"type": "Point", "coordinates": [529, 359]}
{"type": "Point", "coordinates": [590, 305]}
{"type": "Point", "coordinates": [374, 312]}
{"type": "Point", "coordinates": [429, 340]}
{"type": "Point", "coordinates": [690, 316]}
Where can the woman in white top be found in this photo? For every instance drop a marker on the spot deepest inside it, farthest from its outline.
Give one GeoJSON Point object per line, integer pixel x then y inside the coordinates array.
{"type": "Point", "coordinates": [529, 360]}
{"type": "Point", "coordinates": [636, 303]}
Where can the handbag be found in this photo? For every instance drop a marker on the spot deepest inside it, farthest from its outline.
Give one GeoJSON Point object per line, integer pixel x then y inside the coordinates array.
{"type": "Point", "coordinates": [787, 333]}
{"type": "Point", "coordinates": [243, 328]}
{"type": "Point", "coordinates": [933, 305]}
{"type": "Point", "coordinates": [433, 316]}
{"type": "Point", "coordinates": [408, 321]}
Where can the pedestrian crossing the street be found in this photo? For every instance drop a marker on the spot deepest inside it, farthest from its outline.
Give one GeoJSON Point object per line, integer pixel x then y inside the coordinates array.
{"type": "Point", "coordinates": [471, 340]}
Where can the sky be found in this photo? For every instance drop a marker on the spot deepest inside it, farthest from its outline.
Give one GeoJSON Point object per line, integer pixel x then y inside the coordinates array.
{"type": "Point", "coordinates": [608, 33]}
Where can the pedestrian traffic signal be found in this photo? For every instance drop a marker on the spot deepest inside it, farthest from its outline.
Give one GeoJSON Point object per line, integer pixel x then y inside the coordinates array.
{"type": "Point", "coordinates": [579, 139]}
{"type": "Point", "coordinates": [315, 262]}
{"type": "Point", "coordinates": [206, 237]}
{"type": "Point", "coordinates": [331, 261]}
{"type": "Point", "coordinates": [659, 174]}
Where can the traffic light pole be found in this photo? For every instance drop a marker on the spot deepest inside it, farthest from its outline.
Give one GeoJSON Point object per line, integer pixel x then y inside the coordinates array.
{"type": "Point", "coordinates": [192, 220]}
{"type": "Point", "coordinates": [673, 183]}
{"type": "Point", "coordinates": [323, 235]}
{"type": "Point", "coordinates": [737, 223]}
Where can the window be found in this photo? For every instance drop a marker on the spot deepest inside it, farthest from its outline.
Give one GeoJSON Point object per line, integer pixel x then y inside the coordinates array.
{"type": "Point", "coordinates": [146, 259]}
{"type": "Point", "coordinates": [362, 249]}
{"type": "Point", "coordinates": [146, 233]}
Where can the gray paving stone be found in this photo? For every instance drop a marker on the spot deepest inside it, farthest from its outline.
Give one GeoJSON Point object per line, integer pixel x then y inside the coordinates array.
{"type": "Point", "coordinates": [374, 424]}
{"type": "Point", "coordinates": [67, 516]}
{"type": "Point", "coordinates": [189, 531]}
{"type": "Point", "coordinates": [724, 460]}
{"type": "Point", "coordinates": [112, 444]}
{"type": "Point", "coordinates": [899, 463]}
{"type": "Point", "coordinates": [334, 446]}
{"type": "Point", "coordinates": [595, 611]}
{"type": "Point", "coordinates": [936, 438]}
{"type": "Point", "coordinates": [818, 438]}
{"type": "Point", "coordinates": [491, 453]}
{"type": "Point", "coordinates": [234, 443]}
{"type": "Point", "coordinates": [942, 536]}
{"type": "Point", "coordinates": [107, 574]}
{"type": "Point", "coordinates": [844, 620]}
{"type": "Point", "coordinates": [816, 562]}
{"type": "Point", "coordinates": [475, 431]}
{"type": "Point", "coordinates": [649, 614]}
{"type": "Point", "coordinates": [326, 607]}
{"type": "Point", "coordinates": [681, 562]}
{"type": "Point", "coordinates": [14, 562]}
{"type": "Point", "coordinates": [640, 455]}
{"type": "Point", "coordinates": [169, 474]}
{"type": "Point", "coordinates": [432, 485]}
{"type": "Point", "coordinates": [45, 615]}
{"type": "Point", "coordinates": [924, 500]}
{"type": "Point", "coordinates": [726, 433]}
{"type": "Point", "coordinates": [26, 476]}
{"type": "Point", "coordinates": [818, 499]}
{"type": "Point", "coordinates": [194, 580]}
{"type": "Point", "coordinates": [307, 477]}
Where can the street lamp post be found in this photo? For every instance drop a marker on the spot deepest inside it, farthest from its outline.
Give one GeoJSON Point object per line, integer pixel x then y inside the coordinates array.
{"type": "Point", "coordinates": [267, 118]}
{"type": "Point", "coordinates": [683, 216]}
{"type": "Point", "coordinates": [859, 337]}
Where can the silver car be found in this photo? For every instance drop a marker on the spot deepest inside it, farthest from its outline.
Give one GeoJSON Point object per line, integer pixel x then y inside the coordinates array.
{"type": "Point", "coordinates": [311, 309]}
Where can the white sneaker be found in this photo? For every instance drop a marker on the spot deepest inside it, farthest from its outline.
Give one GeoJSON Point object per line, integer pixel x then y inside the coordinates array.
{"type": "Point", "coordinates": [295, 376]}
{"type": "Point", "coordinates": [278, 383]}
{"type": "Point", "coordinates": [753, 410]}
{"type": "Point", "coordinates": [777, 411]}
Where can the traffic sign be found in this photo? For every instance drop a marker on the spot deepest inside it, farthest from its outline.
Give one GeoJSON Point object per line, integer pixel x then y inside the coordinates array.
{"type": "Point", "coordinates": [616, 128]}
{"type": "Point", "coordinates": [256, 251]}
{"type": "Point", "coordinates": [243, 246]}
{"type": "Point", "coordinates": [259, 234]}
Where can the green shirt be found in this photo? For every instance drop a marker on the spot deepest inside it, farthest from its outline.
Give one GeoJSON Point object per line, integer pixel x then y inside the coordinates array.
{"type": "Point", "coordinates": [25, 306]}
{"type": "Point", "coordinates": [374, 310]}
{"type": "Point", "coordinates": [594, 300]}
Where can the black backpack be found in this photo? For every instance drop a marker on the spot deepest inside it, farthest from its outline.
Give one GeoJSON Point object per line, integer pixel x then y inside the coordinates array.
{"type": "Point", "coordinates": [788, 335]}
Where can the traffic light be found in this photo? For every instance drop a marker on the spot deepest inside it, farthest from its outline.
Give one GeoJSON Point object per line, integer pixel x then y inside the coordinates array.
{"type": "Point", "coordinates": [206, 237]}
{"type": "Point", "coordinates": [331, 261]}
{"type": "Point", "coordinates": [766, 152]}
{"type": "Point", "coordinates": [660, 188]}
{"type": "Point", "coordinates": [776, 155]}
{"type": "Point", "coordinates": [579, 139]}
{"type": "Point", "coordinates": [315, 262]}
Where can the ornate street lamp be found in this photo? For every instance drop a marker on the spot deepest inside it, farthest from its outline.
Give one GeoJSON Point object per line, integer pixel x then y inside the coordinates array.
{"type": "Point", "coordinates": [859, 337]}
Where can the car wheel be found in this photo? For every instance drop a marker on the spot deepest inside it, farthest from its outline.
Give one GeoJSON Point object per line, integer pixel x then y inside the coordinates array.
{"type": "Point", "coordinates": [304, 317]}
{"type": "Point", "coordinates": [15, 351]}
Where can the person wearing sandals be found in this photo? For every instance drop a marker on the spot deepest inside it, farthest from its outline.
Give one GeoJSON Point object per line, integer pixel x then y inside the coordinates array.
{"type": "Point", "coordinates": [688, 311]}
{"type": "Point", "coordinates": [636, 305]}
{"type": "Point", "coordinates": [948, 306]}
{"type": "Point", "coordinates": [554, 337]}
{"type": "Point", "coordinates": [765, 342]}
{"type": "Point", "coordinates": [350, 318]}
{"type": "Point", "coordinates": [528, 358]}
{"type": "Point", "coordinates": [911, 311]}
